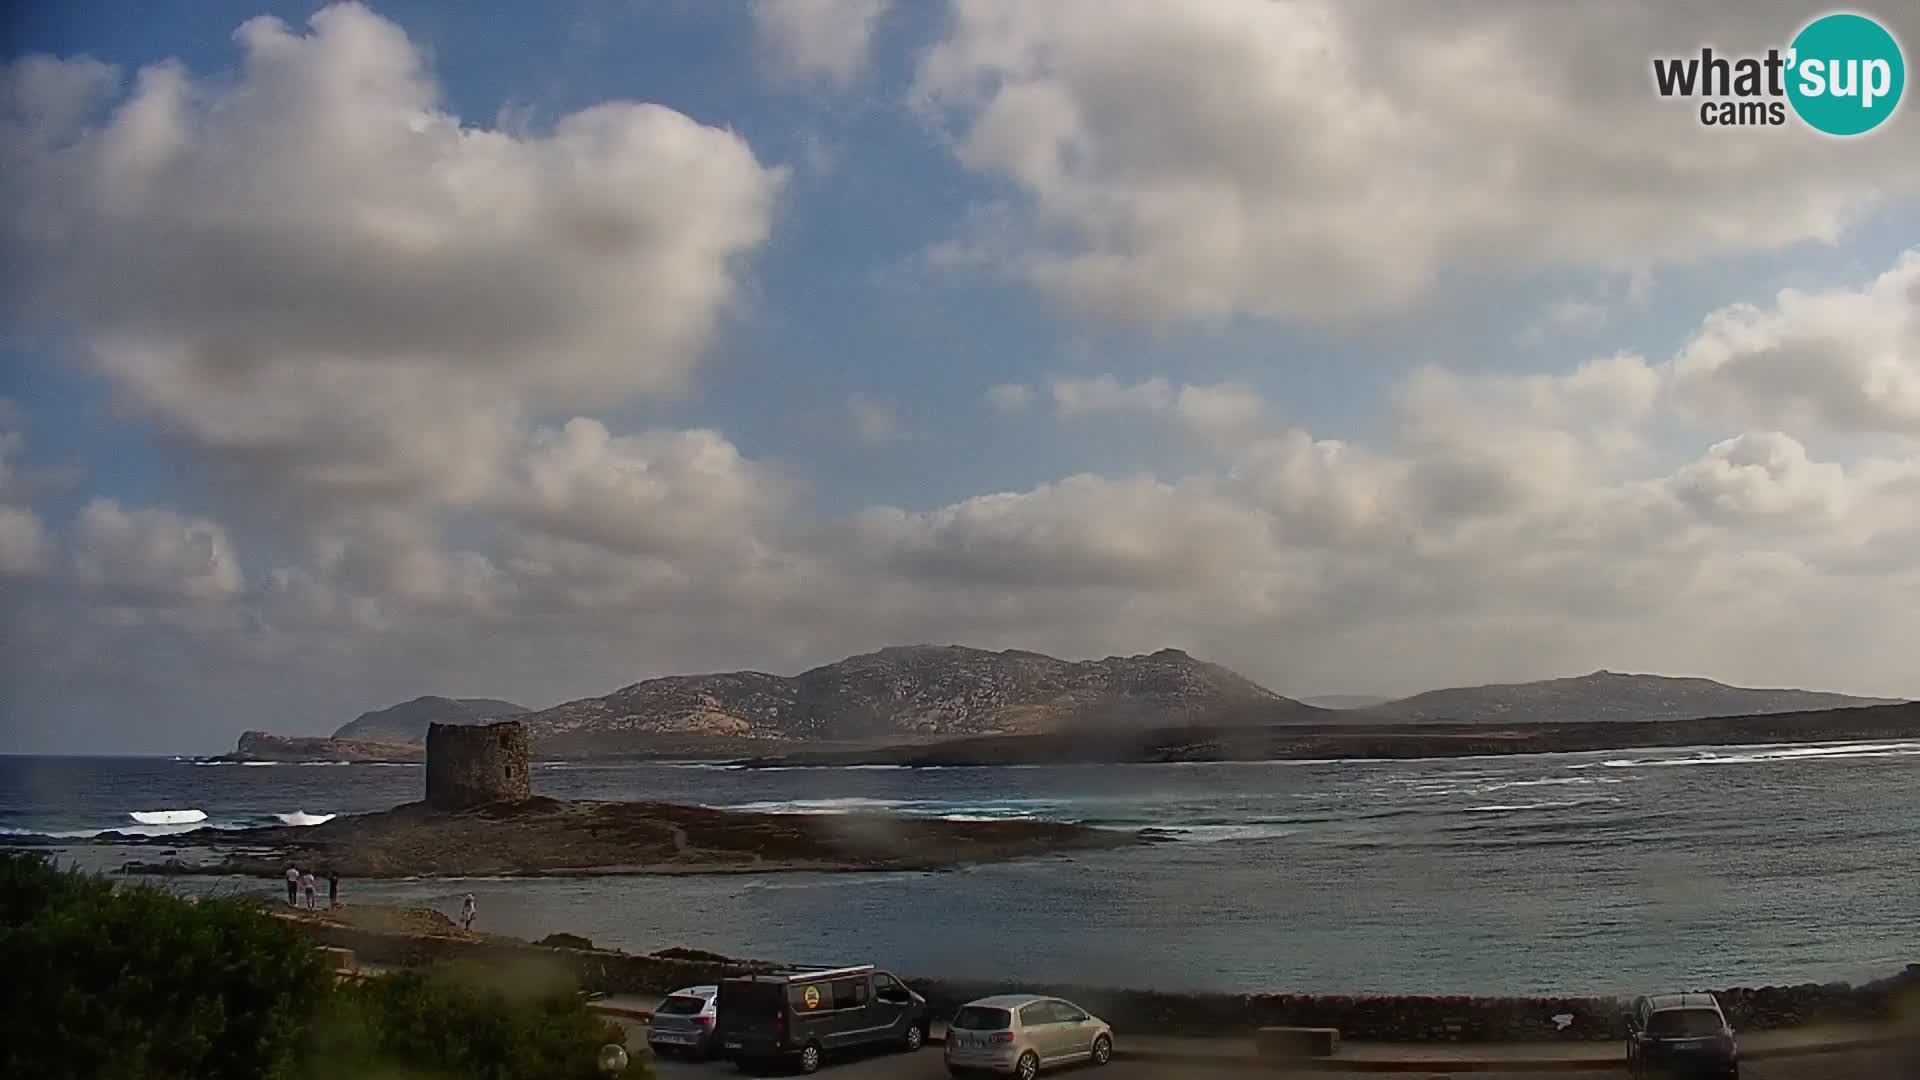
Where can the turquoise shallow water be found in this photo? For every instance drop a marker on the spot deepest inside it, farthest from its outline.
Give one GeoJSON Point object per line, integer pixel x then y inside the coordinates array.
{"type": "Point", "coordinates": [1555, 873]}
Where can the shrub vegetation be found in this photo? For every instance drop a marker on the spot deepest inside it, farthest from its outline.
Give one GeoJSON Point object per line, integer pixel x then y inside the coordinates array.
{"type": "Point", "coordinates": [136, 983]}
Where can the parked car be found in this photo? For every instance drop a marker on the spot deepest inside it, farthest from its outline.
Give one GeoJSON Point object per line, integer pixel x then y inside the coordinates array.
{"type": "Point", "coordinates": [683, 1023]}
{"type": "Point", "coordinates": [1021, 1034]}
{"type": "Point", "coordinates": [798, 1016]}
{"type": "Point", "coordinates": [1681, 1034]}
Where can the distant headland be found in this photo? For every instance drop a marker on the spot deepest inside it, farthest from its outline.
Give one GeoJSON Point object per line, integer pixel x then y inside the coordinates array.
{"type": "Point", "coordinates": [906, 700]}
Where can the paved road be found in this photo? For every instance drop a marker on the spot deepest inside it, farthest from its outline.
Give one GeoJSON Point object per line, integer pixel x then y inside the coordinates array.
{"type": "Point", "coordinates": [926, 1065]}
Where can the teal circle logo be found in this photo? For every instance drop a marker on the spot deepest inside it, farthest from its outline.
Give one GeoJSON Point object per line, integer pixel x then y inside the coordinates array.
{"type": "Point", "coordinates": [1847, 74]}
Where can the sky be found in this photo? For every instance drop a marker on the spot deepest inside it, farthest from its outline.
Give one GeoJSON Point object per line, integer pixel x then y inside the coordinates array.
{"type": "Point", "coordinates": [351, 353]}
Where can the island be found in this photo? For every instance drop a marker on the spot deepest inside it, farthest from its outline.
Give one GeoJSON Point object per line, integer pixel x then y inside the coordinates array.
{"type": "Point", "coordinates": [480, 817]}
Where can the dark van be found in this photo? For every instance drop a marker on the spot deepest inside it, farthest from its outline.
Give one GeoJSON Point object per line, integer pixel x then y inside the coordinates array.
{"type": "Point", "coordinates": [798, 1016]}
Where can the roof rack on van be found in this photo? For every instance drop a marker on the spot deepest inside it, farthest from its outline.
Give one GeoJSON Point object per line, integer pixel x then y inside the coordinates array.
{"type": "Point", "coordinates": [811, 972]}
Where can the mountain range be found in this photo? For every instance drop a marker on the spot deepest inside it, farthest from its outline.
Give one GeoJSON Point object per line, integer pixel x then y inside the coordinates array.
{"type": "Point", "coordinates": [408, 721]}
{"type": "Point", "coordinates": [933, 692]}
{"type": "Point", "coordinates": [1608, 695]}
{"type": "Point", "coordinates": [909, 691]}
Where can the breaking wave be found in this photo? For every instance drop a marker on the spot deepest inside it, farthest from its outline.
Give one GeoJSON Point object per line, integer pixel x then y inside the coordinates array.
{"type": "Point", "coordinates": [167, 817]}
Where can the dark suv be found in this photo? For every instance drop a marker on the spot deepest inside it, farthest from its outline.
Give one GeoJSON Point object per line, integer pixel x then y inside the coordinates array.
{"type": "Point", "coordinates": [800, 1015]}
{"type": "Point", "coordinates": [1680, 1035]}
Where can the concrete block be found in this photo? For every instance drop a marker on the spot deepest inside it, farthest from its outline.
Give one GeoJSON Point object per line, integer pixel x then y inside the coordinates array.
{"type": "Point", "coordinates": [1296, 1042]}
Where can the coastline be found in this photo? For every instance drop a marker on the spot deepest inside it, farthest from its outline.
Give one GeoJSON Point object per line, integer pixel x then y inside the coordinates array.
{"type": "Point", "coordinates": [1371, 742]}
{"type": "Point", "coordinates": [543, 837]}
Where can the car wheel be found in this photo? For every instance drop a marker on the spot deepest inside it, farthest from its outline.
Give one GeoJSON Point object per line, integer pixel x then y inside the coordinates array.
{"type": "Point", "coordinates": [1028, 1066]}
{"type": "Point", "coordinates": [810, 1058]}
{"type": "Point", "coordinates": [1102, 1050]}
{"type": "Point", "coordinates": [915, 1038]}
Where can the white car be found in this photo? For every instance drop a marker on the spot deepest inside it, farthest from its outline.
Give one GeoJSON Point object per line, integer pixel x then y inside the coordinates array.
{"type": "Point", "coordinates": [683, 1023]}
{"type": "Point", "coordinates": [1021, 1034]}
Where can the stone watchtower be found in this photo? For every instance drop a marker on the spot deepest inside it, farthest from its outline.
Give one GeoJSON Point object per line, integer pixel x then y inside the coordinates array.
{"type": "Point", "coordinates": [475, 764]}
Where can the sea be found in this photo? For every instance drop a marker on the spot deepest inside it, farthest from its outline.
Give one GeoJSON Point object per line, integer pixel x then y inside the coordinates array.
{"type": "Point", "coordinates": [1608, 872]}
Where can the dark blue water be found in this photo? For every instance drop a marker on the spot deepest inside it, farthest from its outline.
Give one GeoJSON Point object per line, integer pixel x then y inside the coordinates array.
{"type": "Point", "coordinates": [1555, 873]}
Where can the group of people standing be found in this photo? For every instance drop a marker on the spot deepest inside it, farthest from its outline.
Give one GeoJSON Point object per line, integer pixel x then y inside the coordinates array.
{"type": "Point", "coordinates": [305, 886]}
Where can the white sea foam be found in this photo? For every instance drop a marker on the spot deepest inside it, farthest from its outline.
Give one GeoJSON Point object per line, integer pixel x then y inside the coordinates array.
{"type": "Point", "coordinates": [301, 817]}
{"type": "Point", "coordinates": [1754, 755]}
{"type": "Point", "coordinates": [167, 817]}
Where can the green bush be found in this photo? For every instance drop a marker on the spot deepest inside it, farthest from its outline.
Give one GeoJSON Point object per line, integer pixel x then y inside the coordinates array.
{"type": "Point", "coordinates": [135, 983]}
{"type": "Point", "coordinates": [446, 1022]}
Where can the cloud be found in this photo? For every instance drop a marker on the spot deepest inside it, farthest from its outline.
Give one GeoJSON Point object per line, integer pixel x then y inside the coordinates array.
{"type": "Point", "coordinates": [825, 38]}
{"type": "Point", "coordinates": [1218, 412]}
{"type": "Point", "coordinates": [1074, 397]}
{"type": "Point", "coordinates": [664, 492]}
{"type": "Point", "coordinates": [154, 555]}
{"type": "Point", "coordinates": [23, 541]}
{"type": "Point", "coordinates": [1326, 161]}
{"type": "Point", "coordinates": [1833, 360]}
{"type": "Point", "coordinates": [874, 422]}
{"type": "Point", "coordinates": [1763, 475]}
{"type": "Point", "coordinates": [313, 273]}
{"type": "Point", "coordinates": [1566, 316]}
{"type": "Point", "coordinates": [1009, 397]}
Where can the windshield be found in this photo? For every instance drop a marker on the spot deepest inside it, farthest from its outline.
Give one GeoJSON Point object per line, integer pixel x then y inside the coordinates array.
{"type": "Point", "coordinates": [683, 1005]}
{"type": "Point", "coordinates": [1684, 1023]}
{"type": "Point", "coordinates": [978, 1018]}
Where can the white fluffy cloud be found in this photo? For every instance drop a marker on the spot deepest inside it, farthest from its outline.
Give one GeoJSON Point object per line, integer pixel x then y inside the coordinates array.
{"type": "Point", "coordinates": [313, 271]}
{"type": "Point", "coordinates": [154, 554]}
{"type": "Point", "coordinates": [1325, 160]}
{"type": "Point", "coordinates": [827, 38]}
{"type": "Point", "coordinates": [1840, 360]}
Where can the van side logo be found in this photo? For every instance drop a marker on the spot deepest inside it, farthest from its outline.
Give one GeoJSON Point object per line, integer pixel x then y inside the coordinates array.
{"type": "Point", "coordinates": [1843, 74]}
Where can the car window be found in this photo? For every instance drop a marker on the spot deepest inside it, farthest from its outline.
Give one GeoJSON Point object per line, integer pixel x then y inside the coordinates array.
{"type": "Point", "coordinates": [683, 1005]}
{"type": "Point", "coordinates": [980, 1018]}
{"type": "Point", "coordinates": [750, 999]}
{"type": "Point", "coordinates": [1685, 1022]}
{"type": "Point", "coordinates": [1068, 1013]}
{"type": "Point", "coordinates": [849, 993]}
{"type": "Point", "coordinates": [1034, 1015]}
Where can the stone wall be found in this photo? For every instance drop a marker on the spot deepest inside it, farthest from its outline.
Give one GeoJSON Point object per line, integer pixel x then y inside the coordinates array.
{"type": "Point", "coordinates": [1421, 1019]}
{"type": "Point", "coordinates": [1400, 1019]}
{"type": "Point", "coordinates": [476, 764]}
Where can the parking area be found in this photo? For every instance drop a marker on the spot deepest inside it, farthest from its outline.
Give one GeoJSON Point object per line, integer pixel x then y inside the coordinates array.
{"type": "Point", "coordinates": [928, 1065]}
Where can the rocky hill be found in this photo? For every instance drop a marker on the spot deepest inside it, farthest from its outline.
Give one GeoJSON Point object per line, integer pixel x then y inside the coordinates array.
{"type": "Point", "coordinates": [925, 690]}
{"type": "Point", "coordinates": [407, 722]}
{"type": "Point", "coordinates": [1607, 695]}
{"type": "Point", "coordinates": [266, 746]}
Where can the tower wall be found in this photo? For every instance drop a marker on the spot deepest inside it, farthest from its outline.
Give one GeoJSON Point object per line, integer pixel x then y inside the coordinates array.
{"type": "Point", "coordinates": [475, 764]}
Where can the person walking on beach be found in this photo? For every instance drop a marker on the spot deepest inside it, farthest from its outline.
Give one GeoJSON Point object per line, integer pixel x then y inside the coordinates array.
{"type": "Point", "coordinates": [469, 911]}
{"type": "Point", "coordinates": [293, 886]}
{"type": "Point", "coordinates": [333, 889]}
{"type": "Point", "coordinates": [312, 889]}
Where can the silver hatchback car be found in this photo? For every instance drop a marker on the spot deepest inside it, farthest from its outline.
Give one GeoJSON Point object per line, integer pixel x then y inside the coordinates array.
{"type": "Point", "coordinates": [1020, 1034]}
{"type": "Point", "coordinates": [683, 1023]}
